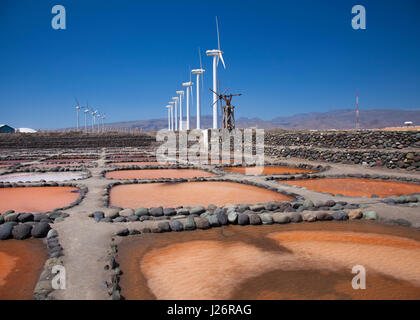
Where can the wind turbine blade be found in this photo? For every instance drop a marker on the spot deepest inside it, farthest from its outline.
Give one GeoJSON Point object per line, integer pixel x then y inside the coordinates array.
{"type": "Point", "coordinates": [218, 39]}
{"type": "Point", "coordinates": [221, 58]}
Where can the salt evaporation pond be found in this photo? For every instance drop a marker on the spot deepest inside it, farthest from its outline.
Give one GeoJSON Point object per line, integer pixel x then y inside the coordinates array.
{"type": "Point", "coordinates": [157, 173]}
{"type": "Point", "coordinates": [53, 165]}
{"type": "Point", "coordinates": [21, 263]}
{"type": "Point", "coordinates": [356, 187]}
{"type": "Point", "coordinates": [36, 199]}
{"type": "Point", "coordinates": [38, 176]}
{"type": "Point", "coordinates": [268, 170]}
{"type": "Point", "coordinates": [295, 261]}
{"type": "Point", "coordinates": [190, 194]}
{"type": "Point", "coordinates": [139, 163]}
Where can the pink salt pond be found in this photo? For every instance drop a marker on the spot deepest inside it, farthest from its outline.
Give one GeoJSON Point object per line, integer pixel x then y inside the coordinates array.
{"type": "Point", "coordinates": [36, 199]}
{"type": "Point", "coordinates": [157, 173]}
{"type": "Point", "coordinates": [190, 194]}
{"type": "Point", "coordinates": [268, 170]}
{"type": "Point", "coordinates": [47, 176]}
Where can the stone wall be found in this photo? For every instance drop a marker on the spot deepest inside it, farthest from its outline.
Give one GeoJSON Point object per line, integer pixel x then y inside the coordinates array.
{"type": "Point", "coordinates": [76, 141]}
{"type": "Point", "coordinates": [367, 148]}
{"type": "Point", "coordinates": [366, 139]}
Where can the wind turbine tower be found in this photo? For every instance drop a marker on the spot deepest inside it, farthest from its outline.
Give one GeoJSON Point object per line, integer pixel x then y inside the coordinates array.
{"type": "Point", "coordinates": [93, 113]}
{"type": "Point", "coordinates": [175, 99]}
{"type": "Point", "coordinates": [357, 110]}
{"type": "Point", "coordinates": [198, 72]}
{"type": "Point", "coordinates": [103, 124]}
{"type": "Point", "coordinates": [86, 113]}
{"type": "Point", "coordinates": [169, 117]}
{"type": "Point", "coordinates": [180, 93]}
{"type": "Point", "coordinates": [98, 115]}
{"type": "Point", "coordinates": [78, 107]}
{"type": "Point", "coordinates": [188, 85]}
{"type": "Point", "coordinates": [217, 55]}
{"type": "Point", "coordinates": [172, 115]}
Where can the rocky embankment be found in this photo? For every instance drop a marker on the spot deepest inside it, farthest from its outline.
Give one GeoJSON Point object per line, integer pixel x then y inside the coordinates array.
{"type": "Point", "coordinates": [366, 139]}
{"type": "Point", "coordinates": [367, 148]}
{"type": "Point", "coordinates": [75, 140]}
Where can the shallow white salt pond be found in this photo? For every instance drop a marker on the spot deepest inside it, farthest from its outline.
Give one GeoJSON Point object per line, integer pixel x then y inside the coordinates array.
{"type": "Point", "coordinates": [38, 176]}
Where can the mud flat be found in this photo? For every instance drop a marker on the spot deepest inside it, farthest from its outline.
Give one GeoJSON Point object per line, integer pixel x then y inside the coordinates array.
{"type": "Point", "coordinates": [190, 193]}
{"type": "Point", "coordinates": [356, 187]}
{"type": "Point", "coordinates": [46, 176]}
{"type": "Point", "coordinates": [268, 170]}
{"type": "Point", "coordinates": [21, 263]}
{"type": "Point", "coordinates": [157, 173]}
{"type": "Point", "coordinates": [36, 199]}
{"type": "Point", "coordinates": [297, 261]}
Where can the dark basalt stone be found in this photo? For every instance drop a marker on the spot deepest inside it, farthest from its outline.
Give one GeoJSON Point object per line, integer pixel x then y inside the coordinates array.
{"type": "Point", "coordinates": [40, 230]}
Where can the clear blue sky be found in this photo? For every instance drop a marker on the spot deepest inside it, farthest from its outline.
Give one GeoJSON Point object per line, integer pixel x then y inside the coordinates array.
{"type": "Point", "coordinates": [129, 57]}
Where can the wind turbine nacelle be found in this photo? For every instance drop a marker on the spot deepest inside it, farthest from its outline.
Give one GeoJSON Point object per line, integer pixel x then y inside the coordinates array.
{"type": "Point", "coordinates": [188, 84]}
{"type": "Point", "coordinates": [175, 98]}
{"type": "Point", "coordinates": [214, 52]}
{"type": "Point", "coordinates": [180, 92]}
{"type": "Point", "coordinates": [197, 71]}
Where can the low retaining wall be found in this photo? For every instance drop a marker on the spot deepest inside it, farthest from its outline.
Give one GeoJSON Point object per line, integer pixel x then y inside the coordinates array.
{"type": "Point", "coordinates": [390, 159]}
{"type": "Point", "coordinates": [365, 139]}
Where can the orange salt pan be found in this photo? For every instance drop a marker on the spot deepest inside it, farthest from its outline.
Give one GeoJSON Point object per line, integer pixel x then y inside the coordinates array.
{"type": "Point", "coordinates": [269, 170]}
{"type": "Point", "coordinates": [190, 193]}
{"type": "Point", "coordinates": [356, 187]}
{"type": "Point", "coordinates": [20, 265]}
{"type": "Point", "coordinates": [138, 163]}
{"type": "Point", "coordinates": [273, 262]}
{"type": "Point", "coordinates": [157, 173]}
{"type": "Point", "coordinates": [36, 199]}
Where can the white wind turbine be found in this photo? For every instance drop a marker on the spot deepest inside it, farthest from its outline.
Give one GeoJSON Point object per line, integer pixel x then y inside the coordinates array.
{"type": "Point", "coordinates": [93, 113]}
{"type": "Point", "coordinates": [217, 55]}
{"type": "Point", "coordinates": [169, 117]}
{"type": "Point", "coordinates": [78, 107]}
{"type": "Point", "coordinates": [180, 93]}
{"type": "Point", "coordinates": [175, 99]}
{"type": "Point", "coordinates": [188, 85]}
{"type": "Point", "coordinates": [197, 84]}
{"type": "Point", "coordinates": [172, 115]}
{"type": "Point", "coordinates": [103, 124]}
{"type": "Point", "coordinates": [98, 115]}
{"type": "Point", "coordinates": [86, 113]}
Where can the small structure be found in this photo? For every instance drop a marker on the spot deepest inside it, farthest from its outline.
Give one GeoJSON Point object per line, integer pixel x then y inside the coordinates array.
{"type": "Point", "coordinates": [408, 123]}
{"type": "Point", "coordinates": [4, 128]}
{"type": "Point", "coordinates": [25, 130]}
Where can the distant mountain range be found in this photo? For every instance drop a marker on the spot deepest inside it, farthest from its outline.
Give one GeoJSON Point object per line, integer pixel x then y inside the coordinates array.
{"type": "Point", "coordinates": [337, 119]}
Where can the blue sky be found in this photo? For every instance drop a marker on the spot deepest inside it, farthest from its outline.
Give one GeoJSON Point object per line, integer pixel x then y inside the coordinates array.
{"type": "Point", "coordinates": [129, 57]}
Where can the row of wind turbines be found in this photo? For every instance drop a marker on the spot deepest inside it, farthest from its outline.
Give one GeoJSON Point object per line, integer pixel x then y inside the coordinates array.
{"type": "Point", "coordinates": [97, 119]}
{"type": "Point", "coordinates": [176, 123]}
